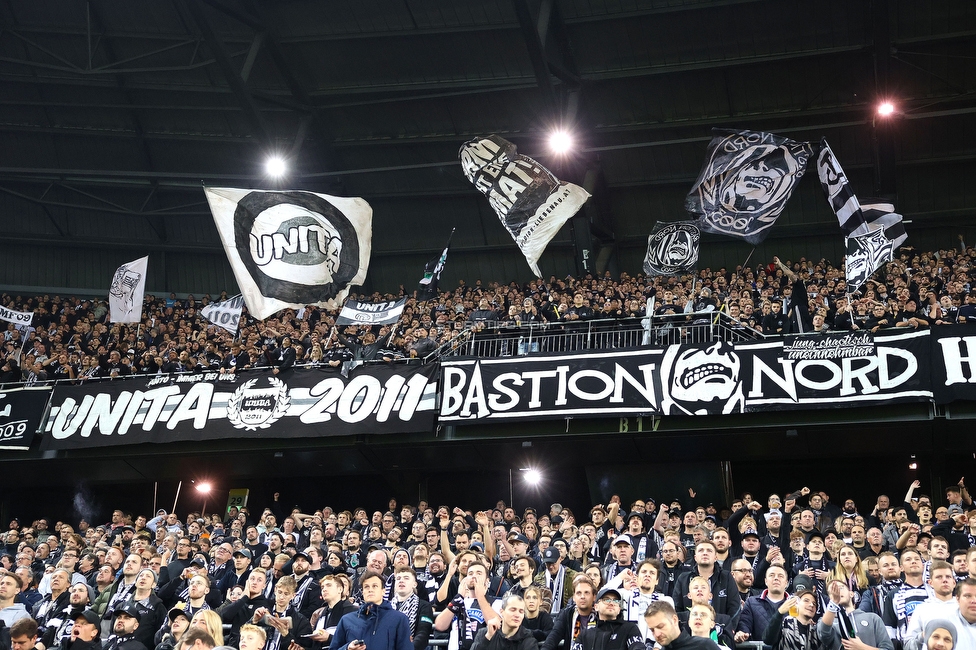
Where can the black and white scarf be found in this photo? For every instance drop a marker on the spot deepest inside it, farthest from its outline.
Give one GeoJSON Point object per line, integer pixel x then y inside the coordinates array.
{"type": "Point", "coordinates": [556, 584]}
{"type": "Point", "coordinates": [409, 607]}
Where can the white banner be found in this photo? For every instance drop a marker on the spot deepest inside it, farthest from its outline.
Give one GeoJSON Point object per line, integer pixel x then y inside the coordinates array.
{"type": "Point", "coordinates": [18, 317]}
{"type": "Point", "coordinates": [371, 313]}
{"type": "Point", "coordinates": [127, 291]}
{"type": "Point", "coordinates": [292, 249]}
{"type": "Point", "coordinates": [226, 314]}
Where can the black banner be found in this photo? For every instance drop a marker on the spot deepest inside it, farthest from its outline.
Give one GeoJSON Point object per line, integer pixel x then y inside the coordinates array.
{"type": "Point", "coordinates": [296, 404]}
{"type": "Point", "coordinates": [954, 363]}
{"type": "Point", "coordinates": [796, 372]}
{"type": "Point", "coordinates": [21, 410]}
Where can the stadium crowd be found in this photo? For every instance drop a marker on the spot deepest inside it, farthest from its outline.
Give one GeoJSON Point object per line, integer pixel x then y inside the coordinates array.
{"type": "Point", "coordinates": [72, 338]}
{"type": "Point", "coordinates": [793, 572]}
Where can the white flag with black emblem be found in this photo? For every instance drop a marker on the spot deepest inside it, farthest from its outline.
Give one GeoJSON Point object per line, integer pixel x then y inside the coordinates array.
{"type": "Point", "coordinates": [874, 244]}
{"type": "Point", "coordinates": [529, 200]}
{"type": "Point", "coordinates": [292, 248]}
{"type": "Point", "coordinates": [127, 290]}
{"type": "Point", "coordinates": [672, 248]}
{"type": "Point", "coordinates": [746, 181]}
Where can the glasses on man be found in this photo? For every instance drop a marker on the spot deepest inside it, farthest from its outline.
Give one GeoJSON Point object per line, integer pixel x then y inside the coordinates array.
{"type": "Point", "coordinates": [610, 601]}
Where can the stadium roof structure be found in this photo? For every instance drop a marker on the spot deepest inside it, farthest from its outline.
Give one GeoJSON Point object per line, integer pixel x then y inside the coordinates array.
{"type": "Point", "coordinates": [113, 113]}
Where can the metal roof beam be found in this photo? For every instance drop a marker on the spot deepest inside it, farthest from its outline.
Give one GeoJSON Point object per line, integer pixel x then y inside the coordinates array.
{"type": "Point", "coordinates": [237, 85]}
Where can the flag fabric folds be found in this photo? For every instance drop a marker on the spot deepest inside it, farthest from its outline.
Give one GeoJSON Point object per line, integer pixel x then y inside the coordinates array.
{"type": "Point", "coordinates": [875, 245]}
{"type": "Point", "coordinates": [672, 248]}
{"type": "Point", "coordinates": [529, 200]}
{"type": "Point", "coordinates": [747, 178]}
{"type": "Point", "coordinates": [427, 287]}
{"type": "Point", "coordinates": [355, 312]}
{"type": "Point", "coordinates": [873, 231]}
{"type": "Point", "coordinates": [292, 248]}
{"type": "Point", "coordinates": [127, 291]}
{"type": "Point", "coordinates": [226, 314]}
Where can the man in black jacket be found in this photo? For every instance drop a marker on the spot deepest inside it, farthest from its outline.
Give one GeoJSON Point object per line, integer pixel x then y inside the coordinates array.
{"type": "Point", "coordinates": [725, 593]}
{"type": "Point", "coordinates": [574, 618]}
{"type": "Point", "coordinates": [325, 619]}
{"type": "Point", "coordinates": [240, 612]}
{"type": "Point", "coordinates": [612, 632]}
{"type": "Point", "coordinates": [124, 627]}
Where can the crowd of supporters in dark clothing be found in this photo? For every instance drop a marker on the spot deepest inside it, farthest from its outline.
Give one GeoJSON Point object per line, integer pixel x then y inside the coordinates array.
{"type": "Point", "coordinates": [72, 338]}
{"type": "Point", "coordinates": [795, 571]}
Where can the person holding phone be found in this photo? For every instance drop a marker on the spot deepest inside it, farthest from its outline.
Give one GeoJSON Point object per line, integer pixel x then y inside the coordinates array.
{"type": "Point", "coordinates": [376, 625]}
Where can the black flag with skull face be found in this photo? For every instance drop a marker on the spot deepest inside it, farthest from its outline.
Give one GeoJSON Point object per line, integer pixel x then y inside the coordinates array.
{"type": "Point", "coordinates": [746, 181]}
{"type": "Point", "coordinates": [672, 248]}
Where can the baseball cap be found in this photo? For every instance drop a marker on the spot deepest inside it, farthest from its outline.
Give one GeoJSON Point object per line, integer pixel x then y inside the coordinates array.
{"type": "Point", "coordinates": [802, 584]}
{"type": "Point", "coordinates": [129, 609]}
{"type": "Point", "coordinates": [243, 552]}
{"type": "Point", "coordinates": [519, 538]}
{"type": "Point", "coordinates": [301, 554]}
{"type": "Point", "coordinates": [955, 509]}
{"type": "Point", "coordinates": [197, 561]}
{"type": "Point", "coordinates": [550, 555]}
{"type": "Point", "coordinates": [750, 532]}
{"type": "Point", "coordinates": [90, 616]}
{"type": "Point", "coordinates": [177, 611]}
{"type": "Point", "coordinates": [814, 534]}
{"type": "Point", "coordinates": [637, 515]}
{"type": "Point", "coordinates": [607, 590]}
{"type": "Point", "coordinates": [623, 539]}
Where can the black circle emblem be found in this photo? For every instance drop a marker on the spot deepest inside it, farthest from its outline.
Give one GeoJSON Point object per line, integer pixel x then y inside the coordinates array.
{"type": "Point", "coordinates": [250, 208]}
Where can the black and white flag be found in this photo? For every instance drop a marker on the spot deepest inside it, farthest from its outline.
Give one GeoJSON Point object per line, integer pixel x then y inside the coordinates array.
{"type": "Point", "coordinates": [432, 273]}
{"type": "Point", "coordinates": [530, 201]}
{"type": "Point", "coordinates": [355, 312]}
{"type": "Point", "coordinates": [672, 248]}
{"type": "Point", "coordinates": [292, 248]}
{"type": "Point", "coordinates": [839, 193]}
{"type": "Point", "coordinates": [875, 246]}
{"type": "Point", "coordinates": [746, 181]}
{"type": "Point", "coordinates": [17, 317]}
{"type": "Point", "coordinates": [226, 314]}
{"type": "Point", "coordinates": [127, 291]}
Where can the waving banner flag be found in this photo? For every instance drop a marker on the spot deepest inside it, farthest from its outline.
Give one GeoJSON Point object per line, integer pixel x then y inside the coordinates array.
{"type": "Point", "coordinates": [427, 286]}
{"type": "Point", "coordinates": [746, 181]}
{"type": "Point", "coordinates": [876, 244]}
{"type": "Point", "coordinates": [226, 314]}
{"type": "Point", "coordinates": [127, 291]}
{"type": "Point", "coordinates": [18, 317]}
{"type": "Point", "coordinates": [531, 203]}
{"type": "Point", "coordinates": [355, 312]}
{"type": "Point", "coordinates": [291, 249]}
{"type": "Point", "coordinates": [873, 231]}
{"type": "Point", "coordinates": [672, 248]}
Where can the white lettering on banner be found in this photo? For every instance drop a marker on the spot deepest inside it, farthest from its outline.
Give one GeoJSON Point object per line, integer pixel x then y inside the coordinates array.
{"type": "Point", "coordinates": [959, 351]}
{"type": "Point", "coordinates": [363, 396]}
{"type": "Point", "coordinates": [784, 382]}
{"type": "Point", "coordinates": [465, 397]}
{"type": "Point", "coordinates": [274, 246]}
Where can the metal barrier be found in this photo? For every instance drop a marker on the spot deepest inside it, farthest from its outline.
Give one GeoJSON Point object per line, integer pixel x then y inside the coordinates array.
{"type": "Point", "coordinates": [657, 331]}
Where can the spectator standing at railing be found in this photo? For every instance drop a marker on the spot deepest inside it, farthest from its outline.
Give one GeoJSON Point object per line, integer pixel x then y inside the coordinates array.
{"type": "Point", "coordinates": [776, 323]}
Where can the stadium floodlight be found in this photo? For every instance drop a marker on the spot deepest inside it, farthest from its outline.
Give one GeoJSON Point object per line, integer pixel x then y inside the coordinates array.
{"type": "Point", "coordinates": [276, 166]}
{"type": "Point", "coordinates": [886, 109]}
{"type": "Point", "coordinates": [560, 142]}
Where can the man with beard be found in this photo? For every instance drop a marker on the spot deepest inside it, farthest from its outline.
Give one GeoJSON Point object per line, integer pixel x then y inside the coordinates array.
{"type": "Point", "coordinates": [308, 595]}
{"type": "Point", "coordinates": [522, 572]}
{"type": "Point", "coordinates": [672, 567]}
{"type": "Point", "coordinates": [150, 607]}
{"type": "Point", "coordinates": [253, 542]}
{"type": "Point", "coordinates": [662, 622]}
{"type": "Point", "coordinates": [124, 626]}
{"type": "Point", "coordinates": [723, 544]}
{"type": "Point", "coordinates": [873, 598]}
{"type": "Point", "coordinates": [612, 631]}
{"type": "Point", "coordinates": [79, 598]}
{"type": "Point", "coordinates": [645, 545]}
{"type": "Point", "coordinates": [742, 574]}
{"type": "Point", "coordinates": [573, 619]}
{"type": "Point", "coordinates": [436, 572]}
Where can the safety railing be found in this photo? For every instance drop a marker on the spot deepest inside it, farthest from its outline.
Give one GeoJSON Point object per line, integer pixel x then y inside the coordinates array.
{"type": "Point", "coordinates": [502, 339]}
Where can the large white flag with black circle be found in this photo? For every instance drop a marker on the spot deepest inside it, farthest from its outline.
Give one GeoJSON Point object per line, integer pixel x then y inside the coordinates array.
{"type": "Point", "coordinates": [292, 248]}
{"type": "Point", "coordinates": [530, 201]}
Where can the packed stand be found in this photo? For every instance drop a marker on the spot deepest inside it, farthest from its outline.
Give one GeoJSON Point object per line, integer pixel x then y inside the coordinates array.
{"type": "Point", "coordinates": [71, 338]}
{"type": "Point", "coordinates": [792, 572]}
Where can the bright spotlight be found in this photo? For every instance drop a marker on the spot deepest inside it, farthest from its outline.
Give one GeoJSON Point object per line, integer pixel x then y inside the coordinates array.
{"type": "Point", "coordinates": [560, 142]}
{"type": "Point", "coordinates": [912, 465]}
{"type": "Point", "coordinates": [533, 476]}
{"type": "Point", "coordinates": [204, 487]}
{"type": "Point", "coordinates": [276, 166]}
{"type": "Point", "coordinates": [886, 109]}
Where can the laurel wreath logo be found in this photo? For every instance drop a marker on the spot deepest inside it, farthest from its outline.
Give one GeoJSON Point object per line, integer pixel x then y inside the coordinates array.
{"type": "Point", "coordinates": [282, 402]}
